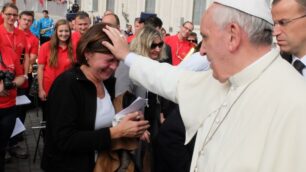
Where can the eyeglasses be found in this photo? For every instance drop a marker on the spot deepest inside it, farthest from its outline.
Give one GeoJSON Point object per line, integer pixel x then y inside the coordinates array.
{"type": "Point", "coordinates": [159, 45]}
{"type": "Point", "coordinates": [10, 14]}
{"type": "Point", "coordinates": [285, 22]}
{"type": "Point", "coordinates": [189, 30]}
{"type": "Point", "coordinates": [193, 40]}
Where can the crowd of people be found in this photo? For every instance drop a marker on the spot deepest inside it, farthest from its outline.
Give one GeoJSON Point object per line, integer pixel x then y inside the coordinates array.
{"type": "Point", "coordinates": [232, 101]}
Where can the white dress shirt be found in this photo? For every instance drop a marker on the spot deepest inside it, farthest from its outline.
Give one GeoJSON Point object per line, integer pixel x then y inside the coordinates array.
{"type": "Point", "coordinates": [303, 60]}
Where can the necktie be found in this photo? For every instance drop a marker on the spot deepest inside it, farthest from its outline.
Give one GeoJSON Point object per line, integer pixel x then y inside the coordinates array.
{"type": "Point", "coordinates": [299, 66]}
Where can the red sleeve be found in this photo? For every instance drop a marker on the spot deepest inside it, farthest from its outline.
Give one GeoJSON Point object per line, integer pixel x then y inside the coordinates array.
{"type": "Point", "coordinates": [44, 53]}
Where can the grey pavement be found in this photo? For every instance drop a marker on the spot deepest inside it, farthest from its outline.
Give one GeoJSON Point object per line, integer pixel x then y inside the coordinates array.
{"type": "Point", "coordinates": [33, 119]}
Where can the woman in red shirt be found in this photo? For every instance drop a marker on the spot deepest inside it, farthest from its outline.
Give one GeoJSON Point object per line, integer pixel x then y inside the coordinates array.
{"type": "Point", "coordinates": [55, 56]}
{"type": "Point", "coordinates": [11, 76]}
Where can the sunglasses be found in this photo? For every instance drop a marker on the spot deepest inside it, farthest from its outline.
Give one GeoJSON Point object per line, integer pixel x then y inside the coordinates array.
{"type": "Point", "coordinates": [193, 40]}
{"type": "Point", "coordinates": [159, 45]}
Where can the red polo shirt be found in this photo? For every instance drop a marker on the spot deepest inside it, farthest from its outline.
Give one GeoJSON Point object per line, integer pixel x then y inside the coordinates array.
{"type": "Point", "coordinates": [51, 73]}
{"type": "Point", "coordinates": [179, 48]}
{"type": "Point", "coordinates": [130, 38]}
{"type": "Point", "coordinates": [32, 42]}
{"type": "Point", "coordinates": [15, 40]}
{"type": "Point", "coordinates": [32, 46]}
{"type": "Point", "coordinates": [1, 19]}
{"type": "Point", "coordinates": [75, 36]}
{"type": "Point", "coordinates": [12, 63]}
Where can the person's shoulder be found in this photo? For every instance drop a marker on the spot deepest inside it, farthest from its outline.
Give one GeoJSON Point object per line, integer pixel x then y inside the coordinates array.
{"type": "Point", "coordinates": [45, 45]}
{"type": "Point", "coordinates": [19, 32]}
{"type": "Point", "coordinates": [69, 75]}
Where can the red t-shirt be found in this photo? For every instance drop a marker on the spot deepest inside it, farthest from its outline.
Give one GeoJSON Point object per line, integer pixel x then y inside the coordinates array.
{"type": "Point", "coordinates": [179, 49]}
{"type": "Point", "coordinates": [130, 38]}
{"type": "Point", "coordinates": [15, 40]}
{"type": "Point", "coordinates": [1, 19]}
{"type": "Point", "coordinates": [32, 42]}
{"type": "Point", "coordinates": [12, 64]}
{"type": "Point", "coordinates": [75, 36]}
{"type": "Point", "coordinates": [51, 73]}
{"type": "Point", "coordinates": [32, 46]}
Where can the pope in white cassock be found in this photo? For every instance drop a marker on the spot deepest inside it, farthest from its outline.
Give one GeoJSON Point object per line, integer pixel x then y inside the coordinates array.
{"type": "Point", "coordinates": [249, 111]}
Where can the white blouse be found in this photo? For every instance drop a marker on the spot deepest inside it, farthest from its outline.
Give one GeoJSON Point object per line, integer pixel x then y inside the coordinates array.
{"type": "Point", "coordinates": [105, 111]}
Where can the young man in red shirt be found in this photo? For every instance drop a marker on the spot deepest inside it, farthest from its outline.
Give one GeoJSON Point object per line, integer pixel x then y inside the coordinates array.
{"type": "Point", "coordinates": [81, 25]}
{"type": "Point", "coordinates": [17, 144]}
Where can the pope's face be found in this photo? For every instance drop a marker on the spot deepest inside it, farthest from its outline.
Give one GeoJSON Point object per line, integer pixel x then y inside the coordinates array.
{"type": "Point", "coordinates": [290, 31]}
{"type": "Point", "coordinates": [214, 46]}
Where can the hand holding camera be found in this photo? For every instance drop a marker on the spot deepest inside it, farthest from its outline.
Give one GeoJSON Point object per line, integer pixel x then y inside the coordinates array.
{"type": "Point", "coordinates": [7, 77]}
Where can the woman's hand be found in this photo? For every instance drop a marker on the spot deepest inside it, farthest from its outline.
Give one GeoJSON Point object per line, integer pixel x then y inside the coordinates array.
{"type": "Point", "coordinates": [132, 126]}
{"type": "Point", "coordinates": [146, 136]}
{"type": "Point", "coordinates": [42, 95]}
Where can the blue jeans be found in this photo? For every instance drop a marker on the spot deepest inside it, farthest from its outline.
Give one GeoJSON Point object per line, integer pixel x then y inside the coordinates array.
{"type": "Point", "coordinates": [7, 123]}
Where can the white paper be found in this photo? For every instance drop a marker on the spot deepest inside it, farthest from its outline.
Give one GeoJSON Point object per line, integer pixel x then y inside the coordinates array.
{"type": "Point", "coordinates": [137, 105]}
{"type": "Point", "coordinates": [19, 127]}
{"type": "Point", "coordinates": [22, 100]}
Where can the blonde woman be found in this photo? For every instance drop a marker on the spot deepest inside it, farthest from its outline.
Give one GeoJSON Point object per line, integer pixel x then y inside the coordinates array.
{"type": "Point", "coordinates": [149, 43]}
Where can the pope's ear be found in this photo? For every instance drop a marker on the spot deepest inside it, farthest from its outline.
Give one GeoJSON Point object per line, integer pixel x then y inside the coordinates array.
{"type": "Point", "coordinates": [234, 36]}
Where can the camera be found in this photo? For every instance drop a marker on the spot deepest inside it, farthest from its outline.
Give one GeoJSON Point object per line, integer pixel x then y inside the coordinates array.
{"type": "Point", "coordinates": [7, 77]}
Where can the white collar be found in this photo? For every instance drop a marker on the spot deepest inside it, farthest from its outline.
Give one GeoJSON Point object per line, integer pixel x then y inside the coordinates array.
{"type": "Point", "coordinates": [303, 59]}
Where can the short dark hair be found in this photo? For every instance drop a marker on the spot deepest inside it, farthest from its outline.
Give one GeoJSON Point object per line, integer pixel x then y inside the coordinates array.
{"type": "Point", "coordinates": [27, 13]}
{"type": "Point", "coordinates": [91, 41]}
{"type": "Point", "coordinates": [11, 5]}
{"type": "Point", "coordinates": [187, 22]}
{"type": "Point", "coordinates": [137, 19]}
{"type": "Point", "coordinates": [81, 15]}
{"type": "Point", "coordinates": [45, 11]}
{"type": "Point", "coordinates": [153, 21]}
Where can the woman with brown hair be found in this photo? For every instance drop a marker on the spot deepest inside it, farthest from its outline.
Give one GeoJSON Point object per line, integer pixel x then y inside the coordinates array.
{"type": "Point", "coordinates": [79, 123]}
{"type": "Point", "coordinates": [55, 56]}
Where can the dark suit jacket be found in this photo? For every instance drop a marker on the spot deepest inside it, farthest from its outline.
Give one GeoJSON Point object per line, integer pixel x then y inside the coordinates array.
{"type": "Point", "coordinates": [171, 154]}
{"type": "Point", "coordinates": [70, 140]}
{"type": "Point", "coordinates": [287, 57]}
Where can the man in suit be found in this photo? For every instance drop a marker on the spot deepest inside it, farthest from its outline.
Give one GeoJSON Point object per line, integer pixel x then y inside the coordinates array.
{"type": "Point", "coordinates": [289, 28]}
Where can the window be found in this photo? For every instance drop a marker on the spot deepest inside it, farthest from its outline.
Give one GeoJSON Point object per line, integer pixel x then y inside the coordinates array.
{"type": "Point", "coordinates": [150, 6]}
{"type": "Point", "coordinates": [95, 5]}
{"type": "Point", "coordinates": [110, 5]}
{"type": "Point", "coordinates": [198, 8]}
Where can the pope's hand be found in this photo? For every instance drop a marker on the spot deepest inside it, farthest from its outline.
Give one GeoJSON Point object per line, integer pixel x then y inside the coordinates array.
{"type": "Point", "coordinates": [120, 48]}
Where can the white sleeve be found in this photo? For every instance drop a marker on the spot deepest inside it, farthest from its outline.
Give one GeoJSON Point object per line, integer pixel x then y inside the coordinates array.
{"type": "Point", "coordinates": [159, 78]}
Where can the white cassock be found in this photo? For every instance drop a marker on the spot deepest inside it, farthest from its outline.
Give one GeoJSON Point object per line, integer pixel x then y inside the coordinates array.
{"type": "Point", "coordinates": [255, 122]}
